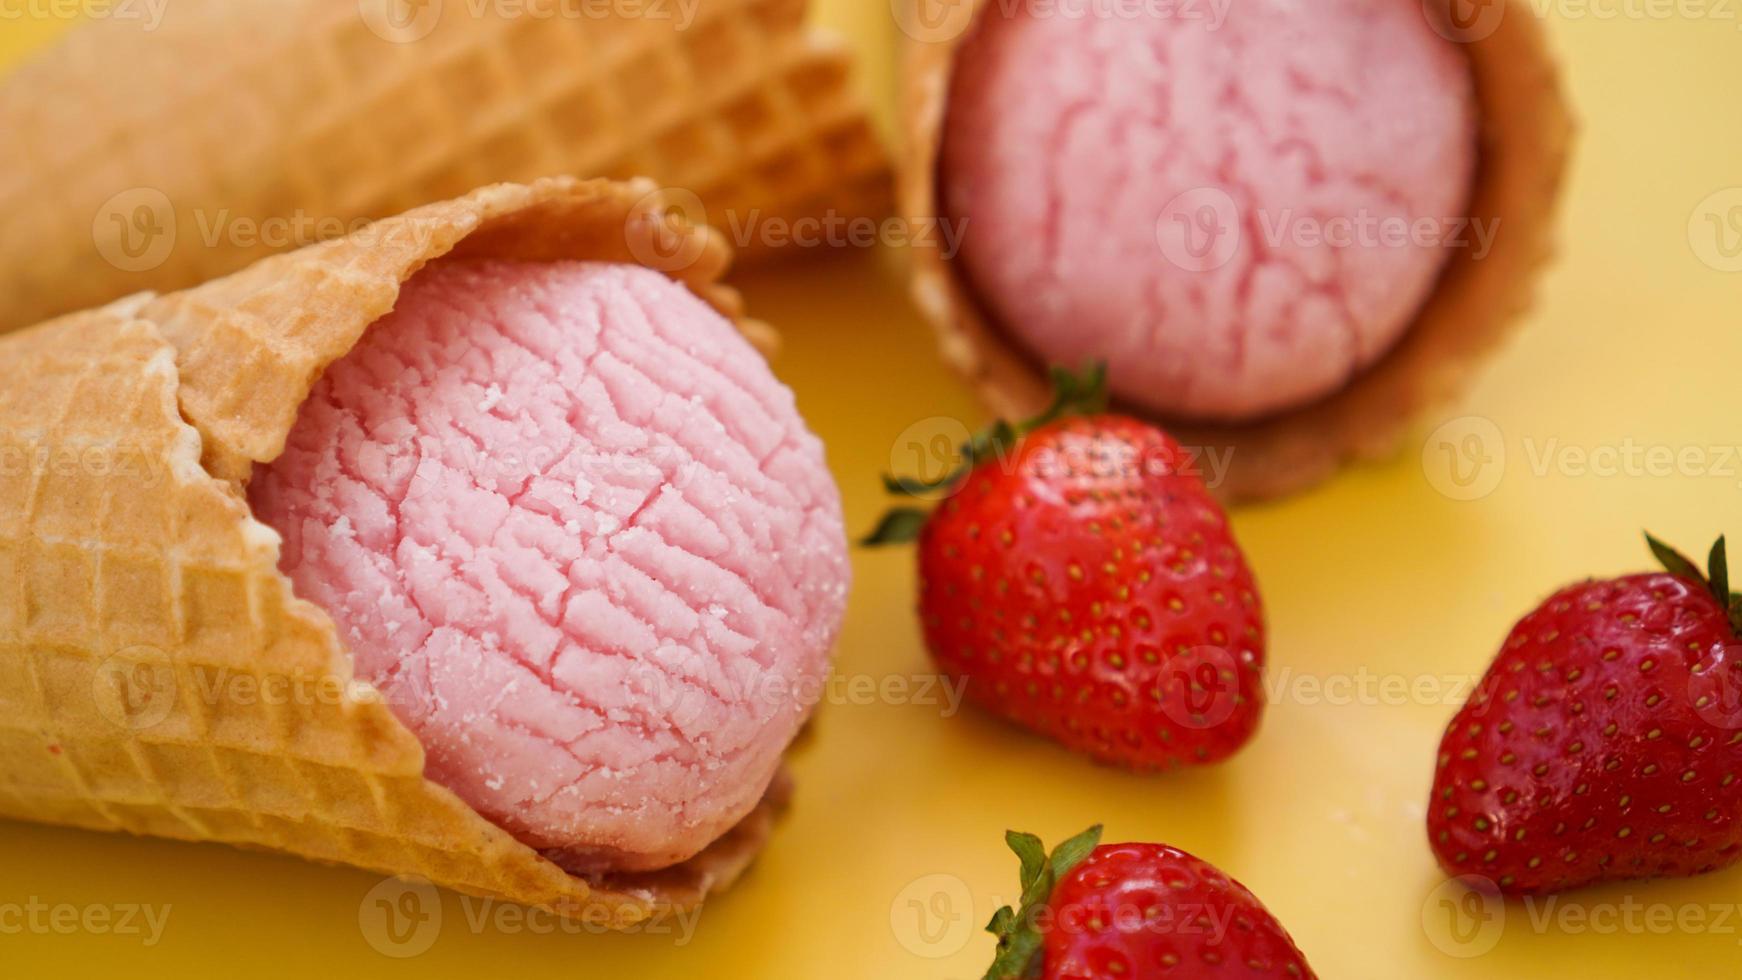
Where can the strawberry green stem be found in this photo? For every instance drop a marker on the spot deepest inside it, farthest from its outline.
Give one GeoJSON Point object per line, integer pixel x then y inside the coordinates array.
{"type": "Point", "coordinates": [1019, 937]}
{"type": "Point", "coordinates": [1716, 579]}
{"type": "Point", "coordinates": [1082, 393]}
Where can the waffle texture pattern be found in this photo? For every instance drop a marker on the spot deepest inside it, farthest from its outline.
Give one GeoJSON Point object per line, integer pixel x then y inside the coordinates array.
{"type": "Point", "coordinates": [155, 156]}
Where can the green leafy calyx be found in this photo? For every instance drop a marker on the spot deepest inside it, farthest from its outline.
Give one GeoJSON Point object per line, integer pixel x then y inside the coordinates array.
{"type": "Point", "coordinates": [1716, 578]}
{"type": "Point", "coordinates": [1019, 935]}
{"type": "Point", "coordinates": [1083, 393]}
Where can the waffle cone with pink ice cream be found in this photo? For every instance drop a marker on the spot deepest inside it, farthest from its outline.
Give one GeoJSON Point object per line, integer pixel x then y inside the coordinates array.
{"type": "Point", "coordinates": [501, 498]}
{"type": "Point", "coordinates": [1289, 230]}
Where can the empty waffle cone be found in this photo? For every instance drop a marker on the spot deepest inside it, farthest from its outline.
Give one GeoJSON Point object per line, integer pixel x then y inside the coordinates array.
{"type": "Point", "coordinates": [155, 156]}
{"type": "Point", "coordinates": [157, 673]}
{"type": "Point", "coordinates": [1525, 134]}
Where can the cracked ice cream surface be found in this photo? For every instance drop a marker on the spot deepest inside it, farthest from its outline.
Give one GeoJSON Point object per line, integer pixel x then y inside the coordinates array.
{"type": "Point", "coordinates": [1070, 140]}
{"type": "Point", "coordinates": [573, 528]}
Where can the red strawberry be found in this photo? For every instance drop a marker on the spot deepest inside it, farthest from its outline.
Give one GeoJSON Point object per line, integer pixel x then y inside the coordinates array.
{"type": "Point", "coordinates": [1129, 911]}
{"type": "Point", "coordinates": [1605, 741]}
{"type": "Point", "coordinates": [1085, 584]}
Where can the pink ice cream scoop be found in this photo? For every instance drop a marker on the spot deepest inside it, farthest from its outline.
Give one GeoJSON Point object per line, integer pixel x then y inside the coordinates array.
{"type": "Point", "coordinates": [571, 526]}
{"type": "Point", "coordinates": [1237, 205]}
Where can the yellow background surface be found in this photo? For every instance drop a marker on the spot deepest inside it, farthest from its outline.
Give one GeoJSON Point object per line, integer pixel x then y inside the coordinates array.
{"type": "Point", "coordinates": [1385, 597]}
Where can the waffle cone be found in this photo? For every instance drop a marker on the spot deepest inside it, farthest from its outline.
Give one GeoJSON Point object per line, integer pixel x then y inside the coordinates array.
{"type": "Point", "coordinates": [185, 150]}
{"type": "Point", "coordinates": [157, 673]}
{"type": "Point", "coordinates": [1525, 135]}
